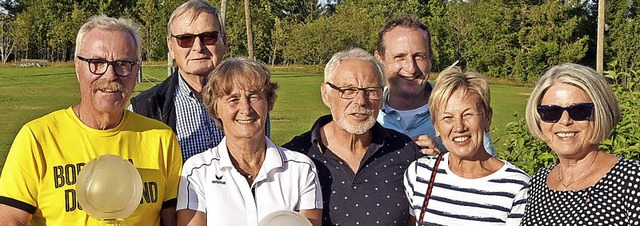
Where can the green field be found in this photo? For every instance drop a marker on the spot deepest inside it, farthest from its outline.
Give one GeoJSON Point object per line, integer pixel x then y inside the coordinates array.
{"type": "Point", "coordinates": [28, 93]}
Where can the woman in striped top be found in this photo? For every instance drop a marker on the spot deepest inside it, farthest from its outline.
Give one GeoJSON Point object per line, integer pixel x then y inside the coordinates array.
{"type": "Point", "coordinates": [469, 187]}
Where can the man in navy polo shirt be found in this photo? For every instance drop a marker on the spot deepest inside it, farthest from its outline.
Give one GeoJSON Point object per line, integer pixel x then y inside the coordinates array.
{"type": "Point", "coordinates": [360, 163]}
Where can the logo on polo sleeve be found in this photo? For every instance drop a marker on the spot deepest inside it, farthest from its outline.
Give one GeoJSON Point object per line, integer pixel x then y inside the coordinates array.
{"type": "Point", "coordinates": [218, 180]}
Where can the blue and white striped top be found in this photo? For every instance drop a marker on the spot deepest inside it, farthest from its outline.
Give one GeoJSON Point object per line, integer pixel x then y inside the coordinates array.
{"type": "Point", "coordinates": [496, 199]}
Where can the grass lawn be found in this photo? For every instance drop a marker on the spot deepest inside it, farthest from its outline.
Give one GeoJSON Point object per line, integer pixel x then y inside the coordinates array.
{"type": "Point", "coordinates": [29, 93]}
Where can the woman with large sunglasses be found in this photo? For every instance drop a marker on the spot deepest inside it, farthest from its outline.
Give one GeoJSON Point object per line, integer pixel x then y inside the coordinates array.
{"type": "Point", "coordinates": [573, 109]}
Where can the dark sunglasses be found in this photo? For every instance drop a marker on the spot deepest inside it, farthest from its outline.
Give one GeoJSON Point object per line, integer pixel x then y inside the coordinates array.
{"type": "Point", "coordinates": [186, 40]}
{"type": "Point", "coordinates": [577, 112]}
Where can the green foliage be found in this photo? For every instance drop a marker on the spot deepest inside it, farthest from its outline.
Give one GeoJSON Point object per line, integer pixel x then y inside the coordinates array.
{"type": "Point", "coordinates": [153, 16]}
{"type": "Point", "coordinates": [485, 50]}
{"type": "Point", "coordinates": [550, 35]}
{"type": "Point", "coordinates": [317, 41]}
{"type": "Point", "coordinates": [264, 15]}
{"type": "Point", "coordinates": [515, 40]}
{"type": "Point", "coordinates": [295, 10]}
{"type": "Point", "coordinates": [625, 44]}
{"type": "Point", "coordinates": [61, 41]}
{"type": "Point", "coordinates": [523, 150]}
{"type": "Point", "coordinates": [24, 26]}
{"type": "Point", "coordinates": [6, 36]}
{"type": "Point", "coordinates": [279, 37]}
{"type": "Point", "coordinates": [47, 29]}
{"type": "Point", "coordinates": [623, 36]}
{"type": "Point", "coordinates": [385, 8]}
{"type": "Point", "coordinates": [625, 139]}
{"type": "Point", "coordinates": [444, 47]}
{"type": "Point", "coordinates": [310, 43]}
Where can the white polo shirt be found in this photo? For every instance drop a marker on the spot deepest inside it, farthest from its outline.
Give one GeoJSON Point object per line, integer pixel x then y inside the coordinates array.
{"type": "Point", "coordinates": [287, 180]}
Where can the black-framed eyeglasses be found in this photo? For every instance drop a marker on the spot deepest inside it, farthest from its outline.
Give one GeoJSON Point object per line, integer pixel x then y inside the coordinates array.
{"type": "Point", "coordinates": [577, 112]}
{"type": "Point", "coordinates": [122, 68]}
{"type": "Point", "coordinates": [372, 93]}
{"type": "Point", "coordinates": [186, 40]}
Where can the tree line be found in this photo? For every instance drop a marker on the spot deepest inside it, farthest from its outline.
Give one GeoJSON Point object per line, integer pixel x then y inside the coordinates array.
{"type": "Point", "coordinates": [511, 39]}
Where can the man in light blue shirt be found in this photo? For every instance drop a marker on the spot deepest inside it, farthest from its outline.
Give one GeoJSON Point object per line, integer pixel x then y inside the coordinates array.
{"type": "Point", "coordinates": [404, 48]}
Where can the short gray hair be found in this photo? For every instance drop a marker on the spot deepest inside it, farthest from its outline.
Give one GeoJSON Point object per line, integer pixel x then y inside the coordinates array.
{"type": "Point", "coordinates": [606, 108]}
{"type": "Point", "coordinates": [197, 7]}
{"type": "Point", "coordinates": [106, 23]}
{"type": "Point", "coordinates": [352, 54]}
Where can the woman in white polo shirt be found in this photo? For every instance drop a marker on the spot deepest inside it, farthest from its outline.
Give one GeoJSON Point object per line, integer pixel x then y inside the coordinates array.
{"type": "Point", "coordinates": [246, 176]}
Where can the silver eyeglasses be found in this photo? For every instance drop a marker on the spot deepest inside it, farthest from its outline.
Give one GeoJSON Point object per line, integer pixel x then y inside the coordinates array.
{"type": "Point", "coordinates": [372, 93]}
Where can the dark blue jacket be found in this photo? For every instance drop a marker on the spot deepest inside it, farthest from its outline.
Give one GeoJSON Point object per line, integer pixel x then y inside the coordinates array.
{"type": "Point", "coordinates": [157, 102]}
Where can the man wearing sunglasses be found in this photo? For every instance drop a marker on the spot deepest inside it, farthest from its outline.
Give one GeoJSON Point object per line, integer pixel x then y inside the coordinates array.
{"type": "Point", "coordinates": [38, 182]}
{"type": "Point", "coordinates": [404, 48]}
{"type": "Point", "coordinates": [196, 40]}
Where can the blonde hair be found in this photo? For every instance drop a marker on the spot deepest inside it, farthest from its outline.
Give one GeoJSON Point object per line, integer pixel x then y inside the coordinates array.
{"type": "Point", "coordinates": [606, 108]}
{"type": "Point", "coordinates": [451, 80]}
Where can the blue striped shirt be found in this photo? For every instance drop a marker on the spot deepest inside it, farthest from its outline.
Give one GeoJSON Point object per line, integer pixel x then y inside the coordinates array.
{"type": "Point", "coordinates": [496, 199]}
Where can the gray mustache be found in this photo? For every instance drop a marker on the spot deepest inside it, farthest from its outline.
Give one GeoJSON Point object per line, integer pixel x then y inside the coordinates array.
{"type": "Point", "coordinates": [104, 84]}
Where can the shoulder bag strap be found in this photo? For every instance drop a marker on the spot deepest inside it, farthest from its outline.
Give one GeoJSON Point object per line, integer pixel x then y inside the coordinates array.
{"type": "Point", "coordinates": [427, 195]}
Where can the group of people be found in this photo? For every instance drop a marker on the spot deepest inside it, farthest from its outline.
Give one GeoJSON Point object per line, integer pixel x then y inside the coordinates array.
{"type": "Point", "coordinates": [394, 150]}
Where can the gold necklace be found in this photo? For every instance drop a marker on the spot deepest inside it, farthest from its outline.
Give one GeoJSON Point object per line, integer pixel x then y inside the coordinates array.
{"type": "Point", "coordinates": [578, 178]}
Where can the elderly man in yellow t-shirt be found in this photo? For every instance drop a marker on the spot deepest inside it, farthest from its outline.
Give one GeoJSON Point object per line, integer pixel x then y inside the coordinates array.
{"type": "Point", "coordinates": [37, 185]}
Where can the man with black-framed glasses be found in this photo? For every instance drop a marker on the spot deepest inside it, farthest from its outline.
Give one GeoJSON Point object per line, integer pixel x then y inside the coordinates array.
{"type": "Point", "coordinates": [38, 182]}
{"type": "Point", "coordinates": [360, 163]}
{"type": "Point", "coordinates": [122, 68]}
{"type": "Point", "coordinates": [196, 40]}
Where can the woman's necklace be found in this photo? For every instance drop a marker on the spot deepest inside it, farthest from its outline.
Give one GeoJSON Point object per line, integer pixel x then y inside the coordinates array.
{"type": "Point", "coordinates": [578, 178]}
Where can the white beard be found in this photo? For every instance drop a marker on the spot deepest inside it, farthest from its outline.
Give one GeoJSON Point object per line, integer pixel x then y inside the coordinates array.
{"type": "Point", "coordinates": [358, 128]}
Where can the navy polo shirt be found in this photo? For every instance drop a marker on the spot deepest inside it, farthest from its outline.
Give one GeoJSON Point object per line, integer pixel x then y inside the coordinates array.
{"type": "Point", "coordinates": [372, 196]}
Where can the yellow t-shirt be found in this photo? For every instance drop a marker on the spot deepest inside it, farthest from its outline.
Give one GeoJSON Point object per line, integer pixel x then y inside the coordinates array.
{"type": "Point", "coordinates": [42, 167]}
